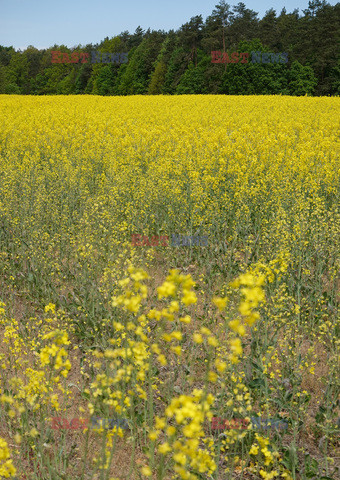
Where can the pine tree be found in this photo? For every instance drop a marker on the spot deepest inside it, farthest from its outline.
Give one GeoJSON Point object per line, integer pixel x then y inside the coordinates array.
{"type": "Point", "coordinates": [157, 79]}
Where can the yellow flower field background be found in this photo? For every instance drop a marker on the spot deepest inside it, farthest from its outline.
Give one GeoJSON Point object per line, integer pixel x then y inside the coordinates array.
{"type": "Point", "coordinates": [169, 337]}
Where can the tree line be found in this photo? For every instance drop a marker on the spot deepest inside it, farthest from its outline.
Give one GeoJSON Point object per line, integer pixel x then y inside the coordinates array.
{"type": "Point", "coordinates": [180, 62]}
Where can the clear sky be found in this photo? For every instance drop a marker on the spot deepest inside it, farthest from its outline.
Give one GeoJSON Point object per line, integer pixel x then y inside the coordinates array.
{"type": "Point", "coordinates": [43, 23]}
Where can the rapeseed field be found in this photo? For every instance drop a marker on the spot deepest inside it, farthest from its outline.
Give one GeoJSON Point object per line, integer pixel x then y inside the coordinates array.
{"type": "Point", "coordinates": [186, 343]}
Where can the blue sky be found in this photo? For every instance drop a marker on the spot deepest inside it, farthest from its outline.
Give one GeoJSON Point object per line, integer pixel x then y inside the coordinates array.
{"type": "Point", "coordinates": [43, 23]}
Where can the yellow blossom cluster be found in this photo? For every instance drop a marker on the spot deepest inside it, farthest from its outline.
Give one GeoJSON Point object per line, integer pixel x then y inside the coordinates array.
{"type": "Point", "coordinates": [60, 354]}
{"type": "Point", "coordinates": [183, 427]}
{"type": "Point", "coordinates": [7, 468]}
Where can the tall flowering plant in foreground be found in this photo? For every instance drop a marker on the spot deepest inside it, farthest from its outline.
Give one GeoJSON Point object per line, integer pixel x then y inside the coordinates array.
{"type": "Point", "coordinates": [179, 431]}
{"type": "Point", "coordinates": [32, 386]}
{"type": "Point", "coordinates": [7, 469]}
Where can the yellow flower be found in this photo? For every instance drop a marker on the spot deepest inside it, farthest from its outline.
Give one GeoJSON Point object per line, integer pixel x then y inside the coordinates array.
{"type": "Point", "coordinates": [185, 319]}
{"type": "Point", "coordinates": [118, 326]}
{"type": "Point", "coordinates": [7, 469]}
{"type": "Point", "coordinates": [180, 458]}
{"type": "Point", "coordinates": [212, 376]}
{"type": "Point", "coordinates": [155, 348]}
{"type": "Point", "coordinates": [146, 471]}
{"type": "Point", "coordinates": [164, 448]}
{"type": "Point", "coordinates": [251, 318]}
{"type": "Point", "coordinates": [177, 335]}
{"type": "Point", "coordinates": [177, 350]}
{"type": "Point", "coordinates": [160, 423]}
{"type": "Point", "coordinates": [197, 337]}
{"type": "Point", "coordinates": [220, 302]}
{"type": "Point", "coordinates": [171, 430]}
{"type": "Point", "coordinates": [254, 450]}
{"type": "Point", "coordinates": [212, 341]}
{"type": "Point", "coordinates": [33, 432]}
{"type": "Point", "coordinates": [236, 346]}
{"type": "Point", "coordinates": [220, 366]}
{"type": "Point", "coordinates": [189, 297]}
{"type": "Point", "coordinates": [162, 360]}
{"type": "Point", "coordinates": [50, 308]}
{"type": "Point", "coordinates": [268, 476]}
{"type": "Point", "coordinates": [167, 289]}
{"type": "Point", "coordinates": [153, 435]}
{"type": "Point", "coordinates": [237, 327]}
{"type": "Point", "coordinates": [174, 306]}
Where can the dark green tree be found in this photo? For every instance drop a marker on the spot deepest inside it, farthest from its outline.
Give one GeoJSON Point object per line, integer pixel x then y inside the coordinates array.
{"type": "Point", "coordinates": [17, 73]}
{"type": "Point", "coordinates": [254, 78]}
{"type": "Point", "coordinates": [302, 80]}
{"type": "Point", "coordinates": [160, 66]}
{"type": "Point", "coordinates": [157, 79]}
{"type": "Point", "coordinates": [268, 30]}
{"type": "Point", "coordinates": [103, 75]}
{"type": "Point", "coordinates": [288, 31]}
{"type": "Point", "coordinates": [177, 65]}
{"type": "Point", "coordinates": [136, 76]}
{"type": "Point", "coordinates": [190, 35]}
{"type": "Point", "coordinates": [215, 34]}
{"type": "Point", "coordinates": [193, 81]}
{"type": "Point", "coordinates": [2, 79]}
{"type": "Point", "coordinates": [244, 25]}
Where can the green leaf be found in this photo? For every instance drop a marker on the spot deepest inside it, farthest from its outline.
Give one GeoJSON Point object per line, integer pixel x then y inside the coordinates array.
{"type": "Point", "coordinates": [257, 367]}
{"type": "Point", "coordinates": [256, 383]}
